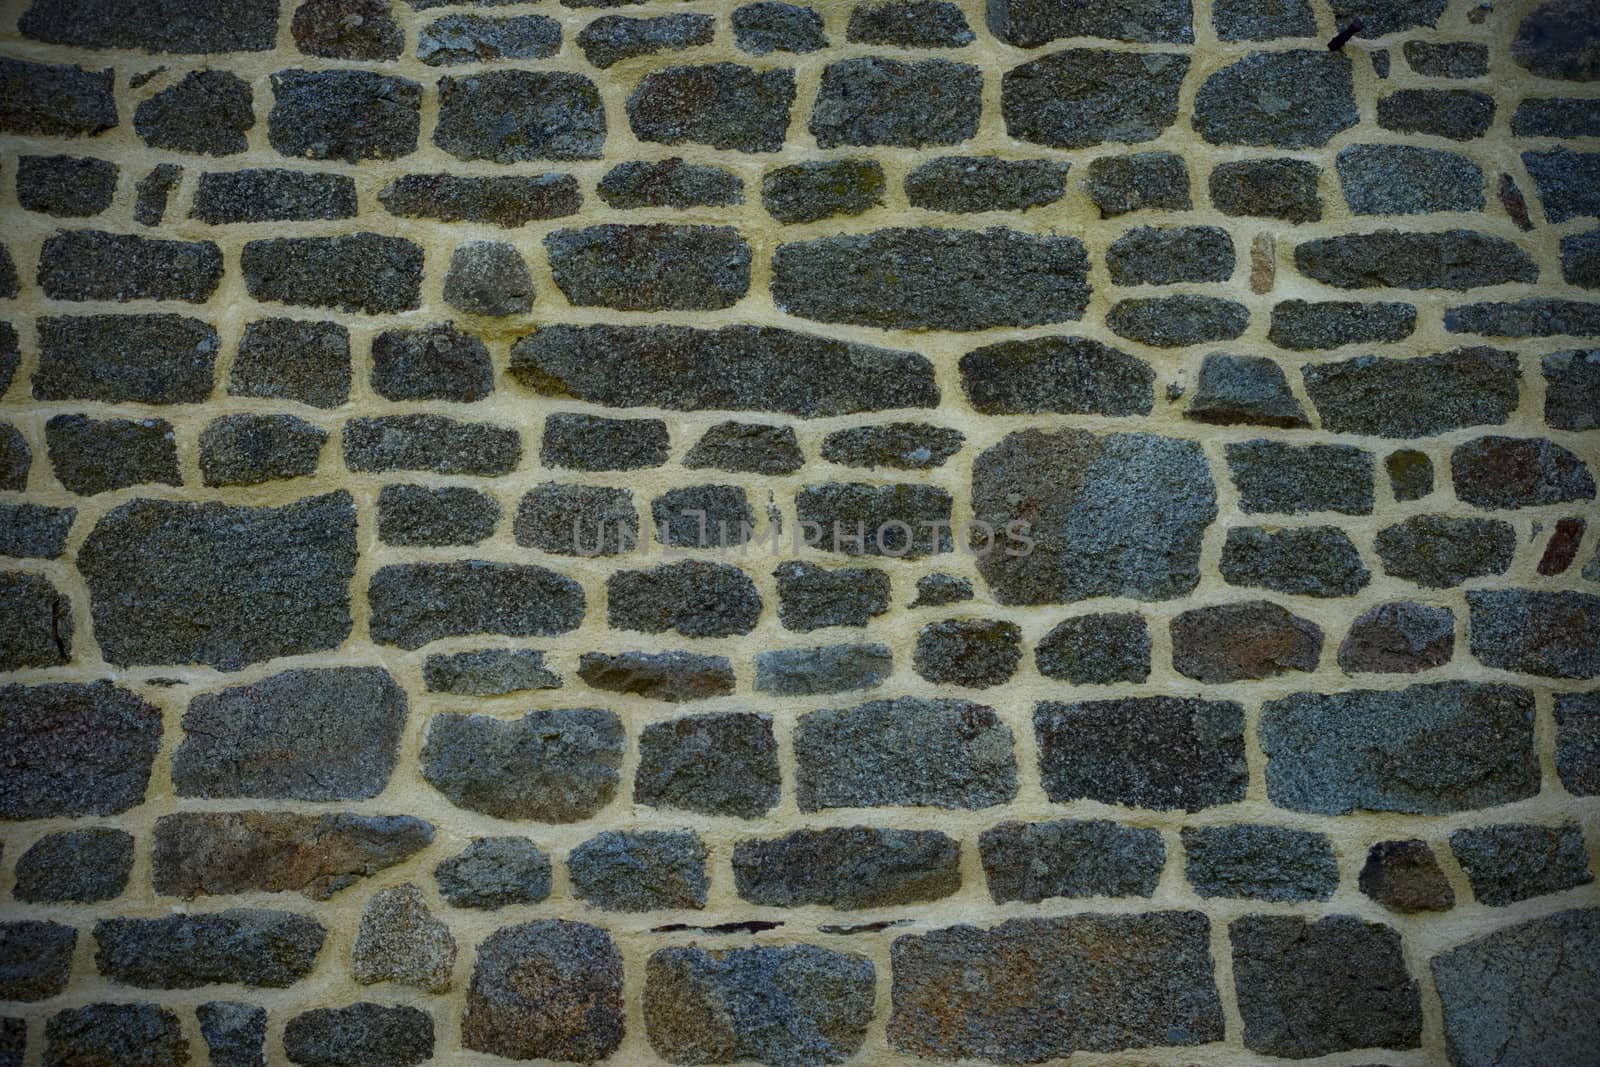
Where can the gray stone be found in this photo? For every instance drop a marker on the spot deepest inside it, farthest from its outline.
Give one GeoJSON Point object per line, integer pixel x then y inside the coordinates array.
{"type": "Point", "coordinates": [272, 194]}
{"type": "Point", "coordinates": [458, 39]}
{"type": "Point", "coordinates": [1258, 862]}
{"type": "Point", "coordinates": [244, 946]}
{"type": "Point", "coordinates": [593, 443]}
{"type": "Point", "coordinates": [722, 764]}
{"type": "Point", "coordinates": [721, 105]}
{"type": "Point", "coordinates": [847, 867]}
{"type": "Point", "coordinates": [1114, 515]}
{"type": "Point", "coordinates": [14, 1042]}
{"type": "Point", "coordinates": [1251, 390]}
{"type": "Point", "coordinates": [1526, 318]}
{"type": "Point", "coordinates": [1031, 23]}
{"type": "Point", "coordinates": [201, 853]}
{"type": "Point", "coordinates": [577, 520]}
{"type": "Point", "coordinates": [430, 443]}
{"type": "Point", "coordinates": [977, 653]}
{"type": "Point", "coordinates": [640, 871]}
{"type": "Point", "coordinates": [984, 183]}
{"type": "Point", "coordinates": [372, 1035]}
{"type": "Point", "coordinates": [1166, 753]}
{"type": "Point", "coordinates": [399, 940]}
{"type": "Point", "coordinates": [1403, 637]}
{"type": "Point", "coordinates": [1062, 375]}
{"type": "Point", "coordinates": [347, 29]}
{"type": "Point", "coordinates": [364, 272]}
{"type": "Point", "coordinates": [95, 265]}
{"type": "Point", "coordinates": [16, 458]}
{"type": "Point", "coordinates": [874, 100]}
{"type": "Point", "coordinates": [936, 590]}
{"type": "Point", "coordinates": [1134, 181]}
{"type": "Point", "coordinates": [1549, 634]}
{"type": "Point", "coordinates": [749, 447]}
{"type": "Point", "coordinates": [65, 186]}
{"type": "Point", "coordinates": [75, 866]}
{"type": "Point", "coordinates": [55, 99]}
{"type": "Point", "coordinates": [425, 515]}
{"type": "Point", "coordinates": [10, 347]}
{"type": "Point", "coordinates": [1381, 179]}
{"type": "Point", "coordinates": [898, 445]}
{"type": "Point", "coordinates": [897, 520]}
{"type": "Point", "coordinates": [669, 676]}
{"type": "Point", "coordinates": [1577, 718]}
{"type": "Point", "coordinates": [251, 449]}
{"type": "Point", "coordinates": [348, 115]}
{"type": "Point", "coordinates": [235, 1034]}
{"type": "Point", "coordinates": [809, 192]}
{"type": "Point", "coordinates": [693, 598]}
{"type": "Point", "coordinates": [1318, 561]}
{"type": "Point", "coordinates": [1036, 861]}
{"type": "Point", "coordinates": [1294, 99]}
{"type": "Point", "coordinates": [1440, 551]}
{"type": "Point", "coordinates": [488, 278]}
{"type": "Point", "coordinates": [1081, 97]}
{"type": "Point", "coordinates": [1543, 116]}
{"type": "Point", "coordinates": [434, 362]}
{"type": "Point", "coordinates": [1404, 876]}
{"type": "Point", "coordinates": [547, 989]}
{"type": "Point", "coordinates": [488, 672]}
{"type": "Point", "coordinates": [1380, 750]}
{"type": "Point", "coordinates": [494, 872]}
{"type": "Point", "coordinates": [1524, 993]}
{"type": "Point", "coordinates": [1151, 255]}
{"type": "Point", "coordinates": [1239, 642]}
{"type": "Point", "coordinates": [505, 200]}
{"type": "Point", "coordinates": [1517, 472]}
{"type": "Point", "coordinates": [291, 359]}
{"type": "Point", "coordinates": [1039, 988]}
{"type": "Point", "coordinates": [1277, 478]}
{"type": "Point", "coordinates": [75, 750]}
{"type": "Point", "coordinates": [330, 734]}
{"type": "Point", "coordinates": [829, 669]}
{"type": "Point", "coordinates": [511, 116]}
{"type": "Point", "coordinates": [173, 582]}
{"type": "Point", "coordinates": [777, 27]}
{"type": "Point", "coordinates": [1517, 861]}
{"type": "Point", "coordinates": [415, 603]}
{"type": "Point", "coordinates": [670, 183]}
{"type": "Point", "coordinates": [1262, 20]}
{"type": "Point", "coordinates": [1379, 18]}
{"type": "Point", "coordinates": [1558, 40]}
{"type": "Point", "coordinates": [1448, 391]}
{"type": "Point", "coordinates": [1566, 182]}
{"type": "Point", "coordinates": [1310, 988]}
{"type": "Point", "coordinates": [207, 113]}
{"type": "Point", "coordinates": [34, 531]}
{"type": "Point", "coordinates": [1447, 59]}
{"type": "Point", "coordinates": [1457, 114]}
{"type": "Point", "coordinates": [910, 751]}
{"type": "Point", "coordinates": [910, 24]}
{"type": "Point", "coordinates": [1173, 321]}
{"type": "Point", "coordinates": [37, 959]}
{"type": "Point", "coordinates": [1580, 259]}
{"type": "Point", "coordinates": [784, 1005]}
{"type": "Point", "coordinates": [812, 597]}
{"type": "Point", "coordinates": [550, 766]}
{"type": "Point", "coordinates": [1451, 259]}
{"type": "Point", "coordinates": [1303, 325]}
{"type": "Point", "coordinates": [653, 267]}
{"type": "Point", "coordinates": [613, 39]}
{"type": "Point", "coordinates": [129, 1035]}
{"type": "Point", "coordinates": [1098, 649]}
{"type": "Point", "coordinates": [155, 25]}
{"type": "Point", "coordinates": [1267, 188]}
{"type": "Point", "coordinates": [703, 516]}
{"type": "Point", "coordinates": [35, 622]}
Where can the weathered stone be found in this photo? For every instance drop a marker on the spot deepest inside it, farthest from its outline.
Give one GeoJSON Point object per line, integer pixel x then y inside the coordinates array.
{"type": "Point", "coordinates": [1452, 259]}
{"type": "Point", "coordinates": [613, 39]}
{"type": "Point", "coordinates": [1173, 321]}
{"type": "Point", "coordinates": [415, 603]}
{"type": "Point", "coordinates": [1031, 23]}
{"type": "Point", "coordinates": [670, 183]}
{"type": "Point", "coordinates": [349, 115]}
{"type": "Point", "coordinates": [1259, 862]}
{"type": "Point", "coordinates": [77, 866]}
{"type": "Point", "coordinates": [1302, 325]}
{"type": "Point", "coordinates": [1134, 181]}
{"type": "Point", "coordinates": [347, 29]}
{"type": "Point", "coordinates": [936, 590]}
{"type": "Point", "coordinates": [1152, 255]}
{"type": "Point", "coordinates": [1277, 478]}
{"type": "Point", "coordinates": [512, 116]}
{"type": "Point", "coordinates": [251, 449]}
{"type": "Point", "coordinates": [1566, 182]}
{"type": "Point", "coordinates": [1267, 188]}
{"type": "Point", "coordinates": [653, 267]}
{"type": "Point", "coordinates": [1382, 750]}
{"type": "Point", "coordinates": [1098, 649]}
{"type": "Point", "coordinates": [724, 764]}
{"type": "Point", "coordinates": [1252, 390]}
{"type": "Point", "coordinates": [829, 669]}
{"type": "Point", "coordinates": [14, 1042]}
{"type": "Point", "coordinates": [75, 750]}
{"type": "Point", "coordinates": [1562, 548]}
{"type": "Point", "coordinates": [1457, 114]}
{"type": "Point", "coordinates": [16, 458]}
{"type": "Point", "coordinates": [1404, 876]}
{"type": "Point", "coordinates": [488, 672]}
{"type": "Point", "coordinates": [131, 1035]}
{"type": "Point", "coordinates": [847, 867]}
{"type": "Point", "coordinates": [99, 455]}
{"type": "Point", "coordinates": [1237, 642]}
{"type": "Point", "coordinates": [1549, 634]}
{"type": "Point", "coordinates": [910, 24]}
{"type": "Point", "coordinates": [155, 25]}
{"type": "Point", "coordinates": [425, 515]}
{"type": "Point", "coordinates": [577, 520]}
{"type": "Point", "coordinates": [1064, 375]}
{"type": "Point", "coordinates": [488, 278]}
{"type": "Point", "coordinates": [1309, 988]}
{"type": "Point", "coordinates": [1439, 551]}
{"type": "Point", "coordinates": [1318, 561]}
{"type": "Point", "coordinates": [235, 1034]}
{"type": "Point", "coordinates": [546, 989]}
{"type": "Point", "coordinates": [272, 194]}
{"type": "Point", "coordinates": [1537, 317]}
{"type": "Point", "coordinates": [643, 871]}
{"type": "Point", "coordinates": [722, 105]}
{"type": "Point", "coordinates": [1547, 116]}
{"type": "Point", "coordinates": [899, 445]}
{"type": "Point", "coordinates": [812, 597]}
{"type": "Point", "coordinates": [855, 518]}
{"type": "Point", "coordinates": [777, 27]}
{"type": "Point", "coordinates": [205, 853]}
{"type": "Point", "coordinates": [55, 100]}
{"type": "Point", "coordinates": [10, 346]}
{"type": "Point", "coordinates": [1518, 472]}
{"type": "Point", "coordinates": [1516, 861]}
{"type": "Point", "coordinates": [1082, 96]}
{"type": "Point", "coordinates": [550, 766]}
{"type": "Point", "coordinates": [1151, 752]}
{"type": "Point", "coordinates": [364, 272]}
{"type": "Point", "coordinates": [435, 362]}
{"type": "Point", "coordinates": [1558, 40]}
{"type": "Point", "coordinates": [1380, 179]}
{"type": "Point", "coordinates": [173, 582]}
{"type": "Point", "coordinates": [501, 200]}
{"type": "Point", "coordinates": [476, 39]}
{"type": "Point", "coordinates": [1070, 858]}
{"type": "Point", "coordinates": [1448, 391]}
{"type": "Point", "coordinates": [430, 443]}
{"type": "Point", "coordinates": [808, 192]}
{"type": "Point", "coordinates": [65, 186]}
{"type": "Point", "coordinates": [1447, 59]}
{"type": "Point", "coordinates": [1398, 638]}
{"type": "Point", "coordinates": [399, 940]}
{"type": "Point", "coordinates": [372, 1035]}
{"type": "Point", "coordinates": [984, 183]}
{"type": "Point", "coordinates": [493, 872]}
{"type": "Point", "coordinates": [95, 265]}
{"type": "Point", "coordinates": [207, 113]}
{"type": "Point", "coordinates": [670, 676]}
{"type": "Point", "coordinates": [37, 959]}
{"type": "Point", "coordinates": [693, 598]}
{"type": "Point", "coordinates": [35, 622]}
{"type": "Point", "coordinates": [247, 946]}
{"type": "Point", "coordinates": [34, 531]}
{"type": "Point", "coordinates": [1119, 515]}
{"type": "Point", "coordinates": [977, 653]}
{"type": "Point", "coordinates": [1293, 99]}
{"type": "Point", "coordinates": [1577, 718]}
{"type": "Point", "coordinates": [1580, 259]}
{"type": "Point", "coordinates": [1380, 18]}
{"type": "Point", "coordinates": [789, 1004]}
{"type": "Point", "coordinates": [1255, 20]}
{"type": "Point", "coordinates": [703, 516]}
{"type": "Point", "coordinates": [290, 359]}
{"type": "Point", "coordinates": [874, 100]}
{"type": "Point", "coordinates": [751, 447]}
{"type": "Point", "coordinates": [1036, 989]}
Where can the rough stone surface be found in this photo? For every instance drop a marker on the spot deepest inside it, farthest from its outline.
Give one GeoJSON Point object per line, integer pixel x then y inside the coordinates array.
{"type": "Point", "coordinates": [1250, 640]}
{"type": "Point", "coordinates": [613, 39]}
{"type": "Point", "coordinates": [546, 989]}
{"type": "Point", "coordinates": [1253, 20]}
{"type": "Point", "coordinates": [1438, 551]}
{"type": "Point", "coordinates": [1245, 389]}
{"type": "Point", "coordinates": [65, 186]}
{"type": "Point", "coordinates": [347, 29]}
{"type": "Point", "coordinates": [364, 272]}
{"type": "Point", "coordinates": [1136, 181]}
{"type": "Point", "coordinates": [1404, 876]}
{"type": "Point", "coordinates": [37, 959]}
{"type": "Point", "coordinates": [374, 1035]}
{"type": "Point", "coordinates": [576, 520]}
{"type": "Point", "coordinates": [1406, 180]}
{"type": "Point", "coordinates": [488, 672]}
{"type": "Point", "coordinates": [75, 749]}
{"type": "Point", "coordinates": [1316, 561]}
{"type": "Point", "coordinates": [693, 598]}
{"type": "Point", "coordinates": [1293, 99]}
{"type": "Point", "coordinates": [856, 518]}
{"type": "Point", "coordinates": [1403, 637]}
{"type": "Point", "coordinates": [1577, 718]}
{"type": "Point", "coordinates": [977, 653]}
{"type": "Point", "coordinates": [650, 267]}
{"type": "Point", "coordinates": [77, 866]}
{"type": "Point", "coordinates": [983, 183]}
{"type": "Point", "coordinates": [16, 458]}
{"type": "Point", "coordinates": [721, 764]}
{"type": "Point", "coordinates": [1301, 325]}
{"type": "Point", "coordinates": [549, 766]}
{"type": "Point", "coordinates": [246, 946]}
{"type": "Point", "coordinates": [292, 359]}
{"type": "Point", "coordinates": [55, 99]}
{"type": "Point", "coordinates": [1259, 862]}
{"type": "Point", "coordinates": [898, 445]}
{"type": "Point", "coordinates": [34, 531]}
{"type": "Point", "coordinates": [1294, 479]}
{"type": "Point", "coordinates": [1153, 255]}
{"type": "Point", "coordinates": [1544, 116]}
{"type": "Point", "coordinates": [721, 105]}
{"type": "Point", "coordinates": [1410, 474]}
{"type": "Point", "coordinates": [910, 24]}
{"type": "Point", "coordinates": [457, 39]}
{"type": "Point", "coordinates": [1031, 23]}
{"type": "Point", "coordinates": [494, 872]}
{"type": "Point", "coordinates": [272, 194]}
{"type": "Point", "coordinates": [847, 867]}
{"type": "Point", "coordinates": [208, 113]}
{"type": "Point", "coordinates": [430, 443]}
{"type": "Point", "coordinates": [399, 940]}
{"type": "Point", "coordinates": [671, 676]}
{"type": "Point", "coordinates": [95, 265]}
{"type": "Point", "coordinates": [670, 183]}
{"type": "Point", "coordinates": [1516, 861]}
{"type": "Point", "coordinates": [1451, 390]}
{"type": "Point", "coordinates": [1538, 317]}
{"type": "Point", "coordinates": [235, 1034]}
{"type": "Point", "coordinates": [809, 192]}
{"type": "Point", "coordinates": [640, 871]}
{"type": "Point", "coordinates": [769, 26]}
{"type": "Point", "coordinates": [1174, 321]}
{"type": "Point", "coordinates": [828, 669]}
{"type": "Point", "coordinates": [512, 116]}
{"type": "Point", "coordinates": [252, 449]}
{"type": "Point", "coordinates": [1549, 634]}
{"type": "Point", "coordinates": [1099, 649]}
{"type": "Point", "coordinates": [167, 26]}
{"type": "Point", "coordinates": [1448, 59]}
{"type": "Point", "coordinates": [499, 200]}
{"type": "Point", "coordinates": [936, 590]}
{"type": "Point", "coordinates": [1517, 472]}
{"type": "Point", "coordinates": [1456, 114]}
{"type": "Point", "coordinates": [415, 603]}
{"type": "Point", "coordinates": [1070, 858]}
{"type": "Point", "coordinates": [1062, 375]}
{"type": "Point", "coordinates": [348, 115]}
{"type": "Point", "coordinates": [449, 515]}
{"type": "Point", "coordinates": [488, 278]}
{"type": "Point", "coordinates": [37, 619]}
{"type": "Point", "coordinates": [1450, 259]}
{"type": "Point", "coordinates": [435, 362]}
{"type": "Point", "coordinates": [1081, 97]}
{"type": "Point", "coordinates": [875, 100]}
{"type": "Point", "coordinates": [136, 1035]}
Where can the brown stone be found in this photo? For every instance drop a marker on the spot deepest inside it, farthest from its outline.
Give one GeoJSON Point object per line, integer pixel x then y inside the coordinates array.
{"type": "Point", "coordinates": [546, 990]}
{"type": "Point", "coordinates": [1234, 642]}
{"type": "Point", "coordinates": [1405, 876]}
{"type": "Point", "coordinates": [1563, 546]}
{"type": "Point", "coordinates": [1263, 256]}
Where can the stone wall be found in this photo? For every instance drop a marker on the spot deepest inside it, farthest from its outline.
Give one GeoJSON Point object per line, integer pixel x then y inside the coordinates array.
{"type": "Point", "coordinates": [1261, 723]}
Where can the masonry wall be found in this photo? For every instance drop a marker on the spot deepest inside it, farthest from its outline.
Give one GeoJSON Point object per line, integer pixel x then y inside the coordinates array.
{"type": "Point", "coordinates": [1151, 609]}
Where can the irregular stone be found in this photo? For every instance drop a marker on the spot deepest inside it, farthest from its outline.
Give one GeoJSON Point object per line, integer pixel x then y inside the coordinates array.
{"type": "Point", "coordinates": [1580, 259]}
{"type": "Point", "coordinates": [1070, 858]}
{"type": "Point", "coordinates": [251, 449]}
{"type": "Point", "coordinates": [1398, 638]}
{"type": "Point", "coordinates": [874, 100]}
{"type": "Point", "coordinates": [1277, 478]}
{"type": "Point", "coordinates": [272, 194]}
{"type": "Point", "coordinates": [577, 520]}
{"type": "Point", "coordinates": [157, 26]}
{"type": "Point", "coordinates": [1558, 40]}
{"type": "Point", "coordinates": [1031, 23]}
{"type": "Point", "coordinates": [1517, 861]}
{"type": "Point", "coordinates": [1518, 472]}
{"type": "Point", "coordinates": [1151, 752]}
{"type": "Point", "coordinates": [399, 940]}
{"type": "Point", "coordinates": [494, 872]}
{"type": "Point", "coordinates": [703, 516]}
{"type": "Point", "coordinates": [1448, 391]}
{"type": "Point", "coordinates": [175, 582]}
{"type": "Point", "coordinates": [650, 267]}
{"type": "Point", "coordinates": [75, 750]}
{"type": "Point", "coordinates": [435, 362]}
{"type": "Point", "coordinates": [1309, 988]}
{"type": "Point", "coordinates": [1319, 561]}
{"type": "Point", "coordinates": [349, 115]}
{"type": "Point", "coordinates": [372, 1035]}
{"type": "Point", "coordinates": [693, 598]}
{"type": "Point", "coordinates": [1526, 318]}
{"type": "Point", "coordinates": [749, 447]}
{"type": "Point", "coordinates": [1173, 321]}
{"type": "Point", "coordinates": [1447, 59]}
{"type": "Point", "coordinates": [1452, 259]}
{"type": "Point", "coordinates": [1383, 179]}
{"type": "Point", "coordinates": [425, 515]}
{"type": "Point", "coordinates": [1151, 255]}
{"type": "Point", "coordinates": [1134, 181]}
{"type": "Point", "coordinates": [1267, 188]}
{"type": "Point", "coordinates": [829, 669]}
{"type": "Point", "coordinates": [1040, 988]}
{"type": "Point", "coordinates": [1065, 375]}
{"type": "Point", "coordinates": [75, 866]}
{"type": "Point", "coordinates": [1577, 718]}
{"type": "Point", "coordinates": [235, 1034]}
{"type": "Point", "coordinates": [1410, 474]}
{"type": "Point", "coordinates": [613, 39]}
{"type": "Point", "coordinates": [488, 672]}
{"type": "Point", "coordinates": [415, 603]}
{"type": "Point", "coordinates": [55, 99]}
{"type": "Point", "coordinates": [512, 116]}
{"type": "Point", "coordinates": [95, 265]}
{"type": "Point", "coordinates": [475, 39]}
{"type": "Point", "coordinates": [898, 445]}
{"type": "Point", "coordinates": [208, 113]}
{"type": "Point", "coordinates": [1438, 551]}
{"type": "Point", "coordinates": [721, 105]}
{"type": "Point", "coordinates": [808, 192]}
{"type": "Point", "coordinates": [1114, 515]}
{"type": "Point", "coordinates": [13, 1042]}
{"type": "Point", "coordinates": [132, 1035]}
{"type": "Point", "coordinates": [1251, 390]}
{"type": "Point", "coordinates": [1293, 99]}
{"type": "Point", "coordinates": [16, 458]}
{"type": "Point", "coordinates": [1404, 876]}
{"type": "Point", "coordinates": [910, 24]}
{"type": "Point", "coordinates": [38, 959]}
{"type": "Point", "coordinates": [670, 183]}
{"type": "Point", "coordinates": [550, 766]}
{"type": "Point", "coordinates": [644, 871]}
{"type": "Point", "coordinates": [364, 272]}
{"type": "Point", "coordinates": [812, 597]}
{"type": "Point", "coordinates": [1566, 182]}
{"type": "Point", "coordinates": [199, 853]}
{"type": "Point", "coordinates": [1258, 862]}
{"type": "Point", "coordinates": [546, 989]}
{"type": "Point", "coordinates": [1237, 642]}
{"type": "Point", "coordinates": [1302, 325]}
{"type": "Point", "coordinates": [1082, 96]}
{"type": "Point", "coordinates": [35, 622]}
{"type": "Point", "coordinates": [936, 590]}
{"type": "Point", "coordinates": [430, 443]}
{"type": "Point", "coordinates": [977, 653]}
{"type": "Point", "coordinates": [1250, 20]}
{"type": "Point", "coordinates": [499, 200]}
{"type": "Point", "coordinates": [347, 29]}
{"type": "Point", "coordinates": [246, 946]}
{"type": "Point", "coordinates": [1549, 634]}
{"type": "Point", "coordinates": [34, 531]}
{"type": "Point", "coordinates": [984, 183]}
{"type": "Point", "coordinates": [10, 347]}
{"type": "Point", "coordinates": [1098, 649]}
{"type": "Point", "coordinates": [1562, 548]}
{"type": "Point", "coordinates": [847, 867]}
{"type": "Point", "coordinates": [100, 455]}
{"type": "Point", "coordinates": [291, 359]}
{"type": "Point", "coordinates": [329, 734]}
{"type": "Point", "coordinates": [65, 186]}
{"type": "Point", "coordinates": [1546, 116]}
{"type": "Point", "coordinates": [722, 764]}
{"type": "Point", "coordinates": [669, 676]}
{"type": "Point", "coordinates": [1458, 114]}
{"type": "Point", "coordinates": [777, 27]}
{"type": "Point", "coordinates": [488, 278]}
{"type": "Point", "coordinates": [855, 518]}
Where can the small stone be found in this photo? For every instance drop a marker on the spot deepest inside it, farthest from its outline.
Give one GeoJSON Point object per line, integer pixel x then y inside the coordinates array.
{"type": "Point", "coordinates": [10, 347]}
{"type": "Point", "coordinates": [847, 867]}
{"type": "Point", "coordinates": [619, 871]}
{"type": "Point", "coordinates": [207, 113]}
{"type": "Point", "coordinates": [1173, 321]}
{"type": "Point", "coordinates": [247, 946]}
{"type": "Point", "coordinates": [1081, 97]}
{"type": "Point", "coordinates": [100, 455]}
{"type": "Point", "coordinates": [347, 29]}
{"type": "Point", "coordinates": [1447, 59]}
{"type": "Point", "coordinates": [1064, 375]}
{"type": "Point", "coordinates": [1549, 634]}
{"type": "Point", "coordinates": [34, 531]}
{"type": "Point", "coordinates": [1562, 548]}
{"type": "Point", "coordinates": [349, 115]}
{"type": "Point", "coordinates": [693, 598]}
{"type": "Point", "coordinates": [723, 764]}
{"type": "Point", "coordinates": [457, 39]}
{"type": "Point", "coordinates": [830, 669]}
{"type": "Point", "coordinates": [1238, 642]}
{"type": "Point", "coordinates": [1302, 325]}
{"type": "Point", "coordinates": [1294, 99]}
{"type": "Point", "coordinates": [855, 518]}
{"type": "Point", "coordinates": [55, 100]}
{"type": "Point", "coordinates": [1151, 255]}
{"type": "Point", "coordinates": [75, 866]}
{"type": "Point", "coordinates": [1099, 649]}
{"type": "Point", "coordinates": [512, 116]}
{"type": "Point", "coordinates": [577, 520]}
{"type": "Point", "coordinates": [1277, 478]}
{"type": "Point", "coordinates": [1406, 180]}
{"type": "Point", "coordinates": [170, 26]}
{"type": "Point", "coordinates": [755, 448]}
{"type": "Point", "coordinates": [426, 515]}
{"type": "Point", "coordinates": [1258, 862]}
{"type": "Point", "coordinates": [547, 989]}
{"type": "Point", "coordinates": [235, 1034]}
{"type": "Point", "coordinates": [1398, 638]}
{"type": "Point", "coordinates": [592, 443]}
{"type": "Point", "coordinates": [812, 597]}
{"type": "Point", "coordinates": [1580, 259]}
{"type": "Point", "coordinates": [430, 443]}
{"type": "Point", "coordinates": [1458, 114]}
{"type": "Point", "coordinates": [94, 265]}
{"type": "Point", "coordinates": [671, 676]}
{"type": "Point", "coordinates": [898, 445]}
{"type": "Point", "coordinates": [1513, 862]}
{"type": "Point", "coordinates": [16, 458]}
{"type": "Point", "coordinates": [291, 359]}
{"type": "Point", "coordinates": [1566, 182]}
{"type": "Point", "coordinates": [1036, 861]}
{"type": "Point", "coordinates": [1439, 551]}
{"type": "Point", "coordinates": [1452, 259]}
{"type": "Point", "coordinates": [722, 105]}
{"type": "Point", "coordinates": [1252, 20]}
{"type": "Point", "coordinates": [977, 653]}
{"type": "Point", "coordinates": [1310, 988]}
{"type": "Point", "coordinates": [75, 750]}
{"type": "Point", "coordinates": [1134, 181]}
{"type": "Point", "coordinates": [252, 449]}
{"type": "Point", "coordinates": [1246, 389]}
{"type": "Point", "coordinates": [435, 362]}
{"type": "Point", "coordinates": [875, 100]}
{"type": "Point", "coordinates": [937, 590]}
{"type": "Point", "coordinates": [1577, 718]}
{"type": "Point", "coordinates": [1404, 876]}
{"type": "Point", "coordinates": [1410, 474]}
{"type": "Point", "coordinates": [272, 195]}
{"type": "Point", "coordinates": [983, 183]}
{"type": "Point", "coordinates": [130, 1035]}
{"type": "Point", "coordinates": [551, 766]}
{"type": "Point", "coordinates": [650, 267]}
{"type": "Point", "coordinates": [808, 192]}
{"type": "Point", "coordinates": [36, 620]}
{"type": "Point", "coordinates": [508, 201]}
{"type": "Point", "coordinates": [1161, 752]}
{"type": "Point", "coordinates": [1546, 116]}
{"type": "Point", "coordinates": [415, 603]}
{"type": "Point", "coordinates": [703, 516]}
{"type": "Point", "coordinates": [1267, 188]}
{"type": "Point", "coordinates": [613, 39]}
{"type": "Point", "coordinates": [777, 27]}
{"type": "Point", "coordinates": [363, 272]}
{"type": "Point", "coordinates": [372, 1035]}
{"type": "Point", "coordinates": [329, 734]}
{"type": "Point", "coordinates": [1526, 318]}
{"type": "Point", "coordinates": [670, 183]}
{"type": "Point", "coordinates": [38, 959]}
{"type": "Point", "coordinates": [1318, 561]}
{"type": "Point", "coordinates": [488, 672]}
{"type": "Point", "coordinates": [65, 186]}
{"type": "Point", "coordinates": [1448, 391]}
{"type": "Point", "coordinates": [399, 940]}
{"type": "Point", "coordinates": [494, 872]}
{"type": "Point", "coordinates": [1517, 472]}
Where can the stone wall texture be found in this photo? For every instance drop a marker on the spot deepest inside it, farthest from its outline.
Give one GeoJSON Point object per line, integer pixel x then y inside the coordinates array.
{"type": "Point", "coordinates": [687, 532]}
